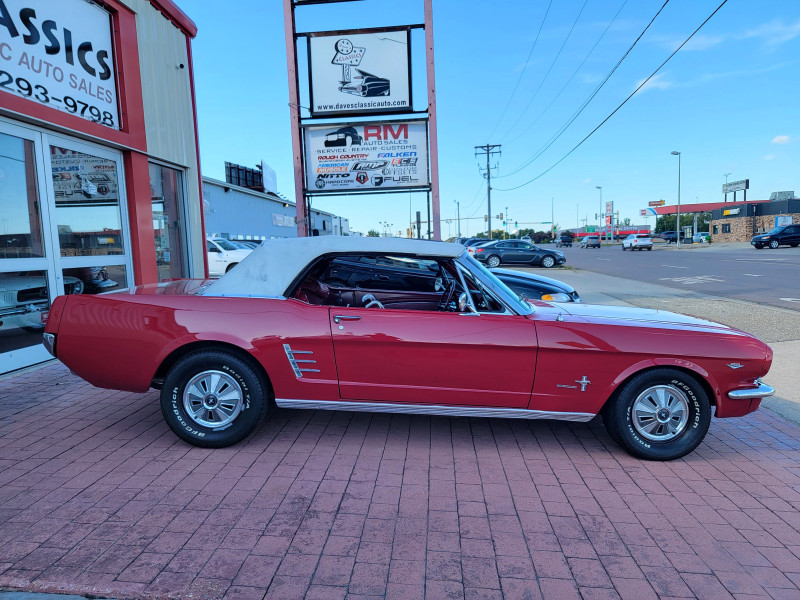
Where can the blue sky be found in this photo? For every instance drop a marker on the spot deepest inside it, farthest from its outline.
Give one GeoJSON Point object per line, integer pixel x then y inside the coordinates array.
{"type": "Point", "coordinates": [729, 101]}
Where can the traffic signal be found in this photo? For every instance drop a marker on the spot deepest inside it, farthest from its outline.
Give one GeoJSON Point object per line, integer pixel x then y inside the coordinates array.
{"type": "Point", "coordinates": [504, 223]}
{"type": "Point", "coordinates": [485, 218]}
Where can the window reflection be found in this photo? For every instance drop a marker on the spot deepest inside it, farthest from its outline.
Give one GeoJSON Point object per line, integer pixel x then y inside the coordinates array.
{"type": "Point", "coordinates": [87, 203]}
{"type": "Point", "coordinates": [96, 280]}
{"type": "Point", "coordinates": [166, 195]}
{"type": "Point", "coordinates": [23, 302]}
{"type": "Point", "coordinates": [20, 220]}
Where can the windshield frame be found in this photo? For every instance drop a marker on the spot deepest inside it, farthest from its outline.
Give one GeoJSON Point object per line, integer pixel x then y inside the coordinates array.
{"type": "Point", "coordinates": [512, 301]}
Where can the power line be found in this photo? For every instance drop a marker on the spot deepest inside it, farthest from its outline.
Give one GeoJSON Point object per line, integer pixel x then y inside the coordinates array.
{"type": "Point", "coordinates": [561, 91]}
{"type": "Point", "coordinates": [624, 102]}
{"type": "Point", "coordinates": [586, 102]}
{"type": "Point", "coordinates": [522, 73]}
{"type": "Point", "coordinates": [546, 75]}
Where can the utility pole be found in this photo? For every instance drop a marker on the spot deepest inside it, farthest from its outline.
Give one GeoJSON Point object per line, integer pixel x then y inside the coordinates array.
{"type": "Point", "coordinates": [489, 150]}
{"type": "Point", "coordinates": [458, 213]}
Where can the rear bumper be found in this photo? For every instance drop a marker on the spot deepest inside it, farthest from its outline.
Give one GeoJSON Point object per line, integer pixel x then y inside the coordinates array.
{"type": "Point", "coordinates": [761, 390]}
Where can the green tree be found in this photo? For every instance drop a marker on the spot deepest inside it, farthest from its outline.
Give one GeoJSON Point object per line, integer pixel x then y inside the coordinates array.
{"type": "Point", "coordinates": [373, 233]}
{"type": "Point", "coordinates": [668, 222]}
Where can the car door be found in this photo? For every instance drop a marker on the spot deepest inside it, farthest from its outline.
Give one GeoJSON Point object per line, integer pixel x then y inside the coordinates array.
{"type": "Point", "coordinates": [431, 357]}
{"type": "Point", "coordinates": [530, 254]}
{"type": "Point", "coordinates": [794, 235]}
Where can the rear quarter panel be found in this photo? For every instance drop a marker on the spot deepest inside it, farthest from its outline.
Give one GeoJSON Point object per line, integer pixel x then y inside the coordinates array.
{"type": "Point", "coordinates": [118, 341]}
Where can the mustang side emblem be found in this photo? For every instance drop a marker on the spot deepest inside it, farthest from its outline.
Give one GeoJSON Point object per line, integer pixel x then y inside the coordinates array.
{"type": "Point", "coordinates": [583, 382]}
{"type": "Point", "coordinates": [735, 365]}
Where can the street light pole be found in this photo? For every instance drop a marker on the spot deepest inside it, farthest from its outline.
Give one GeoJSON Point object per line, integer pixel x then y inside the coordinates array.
{"type": "Point", "coordinates": [678, 154]}
{"type": "Point", "coordinates": [552, 221]}
{"type": "Point", "coordinates": [726, 186]}
{"type": "Point", "coordinates": [599, 187]}
{"type": "Point", "coordinates": [458, 213]}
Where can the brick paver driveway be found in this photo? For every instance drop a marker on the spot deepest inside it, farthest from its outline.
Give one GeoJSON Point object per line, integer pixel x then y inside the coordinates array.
{"type": "Point", "coordinates": [97, 496]}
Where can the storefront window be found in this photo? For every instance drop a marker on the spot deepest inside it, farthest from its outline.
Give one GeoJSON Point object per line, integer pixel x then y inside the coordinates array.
{"type": "Point", "coordinates": [87, 203]}
{"type": "Point", "coordinates": [23, 300]}
{"type": "Point", "coordinates": [20, 219]}
{"type": "Point", "coordinates": [166, 192]}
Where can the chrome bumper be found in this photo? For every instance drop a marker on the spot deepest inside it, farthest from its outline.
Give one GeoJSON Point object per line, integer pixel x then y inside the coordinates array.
{"type": "Point", "coordinates": [761, 391]}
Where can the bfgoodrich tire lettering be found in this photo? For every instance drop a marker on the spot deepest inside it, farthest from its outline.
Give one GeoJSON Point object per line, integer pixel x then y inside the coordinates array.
{"type": "Point", "coordinates": [213, 399]}
{"type": "Point", "coordinates": [661, 414]}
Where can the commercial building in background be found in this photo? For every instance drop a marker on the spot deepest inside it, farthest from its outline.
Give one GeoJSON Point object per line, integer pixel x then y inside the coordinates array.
{"type": "Point", "coordinates": [99, 169]}
{"type": "Point", "coordinates": [239, 213]}
{"type": "Point", "coordinates": [741, 221]}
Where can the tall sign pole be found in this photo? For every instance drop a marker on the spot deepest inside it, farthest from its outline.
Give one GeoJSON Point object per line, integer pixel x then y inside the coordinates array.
{"type": "Point", "coordinates": [294, 117]}
{"type": "Point", "coordinates": [433, 140]}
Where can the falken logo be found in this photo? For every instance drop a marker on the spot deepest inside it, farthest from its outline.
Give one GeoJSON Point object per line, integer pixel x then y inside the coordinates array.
{"type": "Point", "coordinates": [375, 165]}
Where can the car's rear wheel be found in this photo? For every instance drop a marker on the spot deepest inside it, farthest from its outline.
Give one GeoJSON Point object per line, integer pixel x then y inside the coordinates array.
{"type": "Point", "coordinates": [794, 245]}
{"type": "Point", "coordinates": [548, 261]}
{"type": "Point", "coordinates": [623, 247]}
{"type": "Point", "coordinates": [213, 399]}
{"type": "Point", "coordinates": [649, 248]}
{"type": "Point", "coordinates": [774, 244]}
{"type": "Point", "coordinates": [660, 414]}
{"type": "Point", "coordinates": [493, 260]}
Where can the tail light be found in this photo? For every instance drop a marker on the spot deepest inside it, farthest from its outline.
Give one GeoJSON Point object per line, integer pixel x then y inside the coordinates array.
{"type": "Point", "coordinates": [478, 250]}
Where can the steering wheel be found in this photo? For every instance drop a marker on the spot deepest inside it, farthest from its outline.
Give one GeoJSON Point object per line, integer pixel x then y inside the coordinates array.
{"type": "Point", "coordinates": [370, 301]}
{"type": "Point", "coordinates": [447, 296]}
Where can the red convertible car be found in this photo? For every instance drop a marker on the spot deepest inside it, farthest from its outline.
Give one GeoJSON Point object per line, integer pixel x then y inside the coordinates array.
{"type": "Point", "coordinates": [403, 326]}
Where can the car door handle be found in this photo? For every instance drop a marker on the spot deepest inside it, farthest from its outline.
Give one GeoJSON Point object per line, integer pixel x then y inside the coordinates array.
{"type": "Point", "coordinates": [340, 318]}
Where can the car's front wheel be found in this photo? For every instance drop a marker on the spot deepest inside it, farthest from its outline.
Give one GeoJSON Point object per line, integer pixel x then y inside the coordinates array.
{"type": "Point", "coordinates": [493, 260]}
{"type": "Point", "coordinates": [774, 244]}
{"type": "Point", "coordinates": [213, 399]}
{"type": "Point", "coordinates": [548, 261]}
{"type": "Point", "coordinates": [660, 414]}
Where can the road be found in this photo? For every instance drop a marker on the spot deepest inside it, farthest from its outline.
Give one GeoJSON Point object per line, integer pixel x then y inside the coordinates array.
{"type": "Point", "coordinates": [730, 271]}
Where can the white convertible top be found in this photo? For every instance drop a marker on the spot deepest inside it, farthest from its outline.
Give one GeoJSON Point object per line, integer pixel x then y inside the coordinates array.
{"type": "Point", "coordinates": [270, 268]}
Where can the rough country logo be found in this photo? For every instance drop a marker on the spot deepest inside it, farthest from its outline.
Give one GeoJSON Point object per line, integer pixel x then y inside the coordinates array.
{"type": "Point", "coordinates": [362, 177]}
{"type": "Point", "coordinates": [348, 56]}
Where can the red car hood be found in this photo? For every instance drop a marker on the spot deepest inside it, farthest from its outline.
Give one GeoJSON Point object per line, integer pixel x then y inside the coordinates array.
{"type": "Point", "coordinates": [646, 315]}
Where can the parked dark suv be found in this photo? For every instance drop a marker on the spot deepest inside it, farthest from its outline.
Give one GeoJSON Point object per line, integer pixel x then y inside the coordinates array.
{"type": "Point", "coordinates": [564, 240]}
{"type": "Point", "coordinates": [785, 235]}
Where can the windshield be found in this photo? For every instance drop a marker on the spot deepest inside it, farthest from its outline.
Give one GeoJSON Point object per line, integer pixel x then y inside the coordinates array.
{"type": "Point", "coordinates": [776, 230]}
{"type": "Point", "coordinates": [520, 305]}
{"type": "Point", "coordinates": [225, 245]}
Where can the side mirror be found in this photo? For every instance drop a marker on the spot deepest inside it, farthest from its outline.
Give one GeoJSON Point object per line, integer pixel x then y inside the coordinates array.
{"type": "Point", "coordinates": [462, 302]}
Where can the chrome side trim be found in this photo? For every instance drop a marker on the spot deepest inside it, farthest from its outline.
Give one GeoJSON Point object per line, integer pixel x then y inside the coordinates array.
{"type": "Point", "coordinates": [434, 409]}
{"type": "Point", "coordinates": [50, 343]}
{"type": "Point", "coordinates": [761, 391]}
{"type": "Point", "coordinates": [294, 362]}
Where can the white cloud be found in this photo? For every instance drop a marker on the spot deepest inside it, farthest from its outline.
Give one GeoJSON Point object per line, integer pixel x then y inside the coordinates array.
{"type": "Point", "coordinates": [775, 32]}
{"type": "Point", "coordinates": [769, 157]}
{"type": "Point", "coordinates": [780, 139]}
{"type": "Point", "coordinates": [659, 82]}
{"type": "Point", "coordinates": [587, 181]}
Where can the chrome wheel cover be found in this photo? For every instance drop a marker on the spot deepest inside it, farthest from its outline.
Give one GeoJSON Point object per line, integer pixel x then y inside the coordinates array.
{"type": "Point", "coordinates": [213, 399]}
{"type": "Point", "coordinates": [660, 413]}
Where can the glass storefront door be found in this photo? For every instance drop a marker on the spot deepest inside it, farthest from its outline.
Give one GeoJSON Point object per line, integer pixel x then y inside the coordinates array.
{"type": "Point", "coordinates": [27, 279]}
{"type": "Point", "coordinates": [63, 230]}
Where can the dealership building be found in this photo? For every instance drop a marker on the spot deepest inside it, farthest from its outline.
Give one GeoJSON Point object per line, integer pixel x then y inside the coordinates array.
{"type": "Point", "coordinates": [100, 184]}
